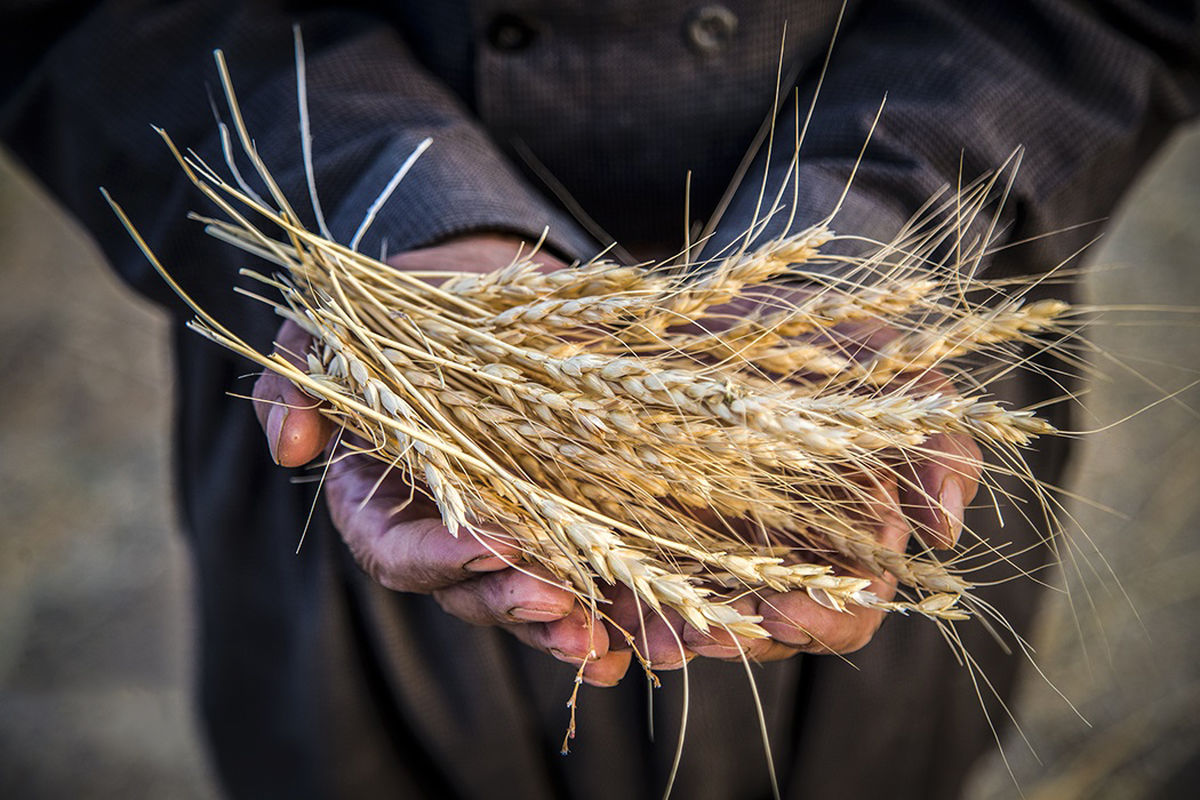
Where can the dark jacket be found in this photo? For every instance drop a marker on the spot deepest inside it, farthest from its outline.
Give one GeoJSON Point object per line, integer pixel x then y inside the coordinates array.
{"type": "Point", "coordinates": [314, 681]}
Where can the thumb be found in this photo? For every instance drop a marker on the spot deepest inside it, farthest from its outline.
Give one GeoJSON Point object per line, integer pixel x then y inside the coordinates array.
{"type": "Point", "coordinates": [296, 430]}
{"type": "Point", "coordinates": [935, 492]}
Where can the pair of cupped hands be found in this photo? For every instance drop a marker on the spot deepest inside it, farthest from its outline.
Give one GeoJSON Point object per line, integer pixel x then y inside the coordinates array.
{"type": "Point", "coordinates": [478, 581]}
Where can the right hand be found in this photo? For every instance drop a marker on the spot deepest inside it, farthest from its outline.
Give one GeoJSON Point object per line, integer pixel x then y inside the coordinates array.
{"type": "Point", "coordinates": [408, 549]}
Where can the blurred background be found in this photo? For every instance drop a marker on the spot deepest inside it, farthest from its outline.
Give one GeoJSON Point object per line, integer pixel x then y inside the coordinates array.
{"type": "Point", "coordinates": [95, 615]}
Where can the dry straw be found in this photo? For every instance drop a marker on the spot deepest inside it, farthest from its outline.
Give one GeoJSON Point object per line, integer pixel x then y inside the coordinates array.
{"type": "Point", "coordinates": [594, 410]}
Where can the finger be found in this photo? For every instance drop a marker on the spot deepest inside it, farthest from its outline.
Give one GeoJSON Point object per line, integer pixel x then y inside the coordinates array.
{"type": "Point", "coordinates": [771, 650]}
{"type": "Point", "coordinates": [569, 641]}
{"type": "Point", "coordinates": [296, 429]}
{"type": "Point", "coordinates": [573, 639]}
{"type": "Point", "coordinates": [663, 644]}
{"type": "Point", "coordinates": [508, 596]}
{"type": "Point", "coordinates": [936, 490]}
{"type": "Point", "coordinates": [422, 556]}
{"type": "Point", "coordinates": [721, 644]}
{"type": "Point", "coordinates": [658, 636]}
{"type": "Point", "coordinates": [609, 669]}
{"type": "Point", "coordinates": [797, 620]}
{"type": "Point", "coordinates": [402, 545]}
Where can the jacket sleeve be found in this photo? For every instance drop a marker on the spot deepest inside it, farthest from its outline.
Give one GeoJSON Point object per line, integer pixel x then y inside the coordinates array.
{"type": "Point", "coordinates": [1088, 90]}
{"type": "Point", "coordinates": [82, 89]}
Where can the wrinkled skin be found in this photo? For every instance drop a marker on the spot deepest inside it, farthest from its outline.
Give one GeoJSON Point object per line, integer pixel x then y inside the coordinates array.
{"type": "Point", "coordinates": [409, 550]}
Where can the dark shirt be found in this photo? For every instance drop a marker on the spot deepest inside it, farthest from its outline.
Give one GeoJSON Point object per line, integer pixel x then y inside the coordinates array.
{"type": "Point", "coordinates": [312, 680]}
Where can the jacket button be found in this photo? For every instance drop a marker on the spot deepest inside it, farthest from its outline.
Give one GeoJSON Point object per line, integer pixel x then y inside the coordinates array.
{"type": "Point", "coordinates": [710, 29]}
{"type": "Point", "coordinates": [510, 33]}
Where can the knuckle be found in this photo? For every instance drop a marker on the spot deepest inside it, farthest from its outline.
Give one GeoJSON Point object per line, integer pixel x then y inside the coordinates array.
{"type": "Point", "coordinates": [422, 561]}
{"type": "Point", "coordinates": [756, 649]}
{"type": "Point", "coordinates": [375, 562]}
{"type": "Point", "coordinates": [858, 634]}
{"type": "Point", "coordinates": [337, 512]}
{"type": "Point", "coordinates": [450, 603]}
{"type": "Point", "coordinates": [259, 392]}
{"type": "Point", "coordinates": [371, 564]}
{"type": "Point", "coordinates": [418, 578]}
{"type": "Point", "coordinates": [462, 604]}
{"type": "Point", "coordinates": [854, 644]}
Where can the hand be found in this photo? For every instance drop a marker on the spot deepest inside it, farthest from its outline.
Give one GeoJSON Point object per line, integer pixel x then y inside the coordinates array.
{"type": "Point", "coordinates": [406, 547]}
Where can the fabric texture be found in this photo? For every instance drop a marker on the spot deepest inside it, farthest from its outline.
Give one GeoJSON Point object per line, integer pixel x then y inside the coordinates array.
{"type": "Point", "coordinates": [314, 682]}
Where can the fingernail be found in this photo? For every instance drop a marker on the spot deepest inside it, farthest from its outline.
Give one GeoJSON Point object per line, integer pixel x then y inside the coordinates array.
{"type": "Point", "coordinates": [677, 663]}
{"type": "Point", "coordinates": [717, 651]}
{"type": "Point", "coordinates": [528, 614]}
{"type": "Point", "coordinates": [275, 419]}
{"type": "Point", "coordinates": [951, 499]}
{"type": "Point", "coordinates": [488, 563]}
{"type": "Point", "coordinates": [564, 656]}
{"type": "Point", "coordinates": [787, 632]}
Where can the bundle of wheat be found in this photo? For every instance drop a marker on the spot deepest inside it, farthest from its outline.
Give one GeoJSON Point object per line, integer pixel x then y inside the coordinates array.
{"type": "Point", "coordinates": [593, 410]}
{"type": "Point", "coordinates": [692, 431]}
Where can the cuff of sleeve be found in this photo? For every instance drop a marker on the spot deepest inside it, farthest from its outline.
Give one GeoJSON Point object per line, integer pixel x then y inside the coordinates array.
{"type": "Point", "coordinates": [460, 185]}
